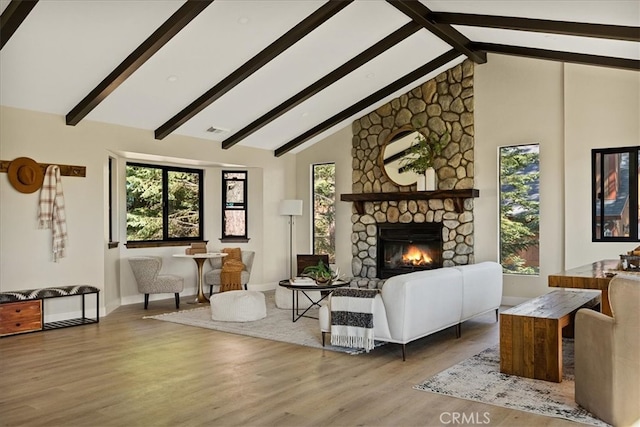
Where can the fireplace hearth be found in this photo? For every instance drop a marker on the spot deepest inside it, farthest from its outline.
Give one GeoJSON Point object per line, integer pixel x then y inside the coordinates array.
{"type": "Point", "coordinates": [404, 248]}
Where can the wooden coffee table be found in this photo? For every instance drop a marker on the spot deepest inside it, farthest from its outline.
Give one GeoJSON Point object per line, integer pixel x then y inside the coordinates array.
{"type": "Point", "coordinates": [531, 333]}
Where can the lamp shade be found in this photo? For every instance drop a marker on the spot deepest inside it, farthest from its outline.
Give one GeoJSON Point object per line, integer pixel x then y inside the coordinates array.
{"type": "Point", "coordinates": [291, 207]}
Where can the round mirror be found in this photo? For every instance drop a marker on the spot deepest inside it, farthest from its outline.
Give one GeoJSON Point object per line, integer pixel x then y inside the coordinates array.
{"type": "Point", "coordinates": [394, 155]}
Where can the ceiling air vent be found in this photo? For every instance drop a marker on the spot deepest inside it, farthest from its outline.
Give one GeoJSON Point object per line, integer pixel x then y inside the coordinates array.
{"type": "Point", "coordinates": [217, 131]}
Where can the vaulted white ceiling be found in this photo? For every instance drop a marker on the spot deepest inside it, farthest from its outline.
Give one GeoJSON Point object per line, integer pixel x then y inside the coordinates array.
{"type": "Point", "coordinates": [242, 56]}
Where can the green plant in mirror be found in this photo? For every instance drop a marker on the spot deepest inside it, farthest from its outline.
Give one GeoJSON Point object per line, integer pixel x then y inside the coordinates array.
{"type": "Point", "coordinates": [422, 154]}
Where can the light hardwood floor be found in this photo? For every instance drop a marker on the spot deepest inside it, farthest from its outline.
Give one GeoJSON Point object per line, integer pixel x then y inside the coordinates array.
{"type": "Point", "coordinates": [129, 371]}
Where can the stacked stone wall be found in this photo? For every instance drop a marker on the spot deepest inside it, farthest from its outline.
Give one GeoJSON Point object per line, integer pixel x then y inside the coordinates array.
{"type": "Point", "coordinates": [441, 105]}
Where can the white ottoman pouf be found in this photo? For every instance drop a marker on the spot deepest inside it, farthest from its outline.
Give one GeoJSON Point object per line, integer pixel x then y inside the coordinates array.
{"type": "Point", "coordinates": [283, 298]}
{"type": "Point", "coordinates": [238, 306]}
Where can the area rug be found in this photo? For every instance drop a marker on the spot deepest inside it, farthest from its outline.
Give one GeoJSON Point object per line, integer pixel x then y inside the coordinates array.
{"type": "Point", "coordinates": [277, 326]}
{"type": "Point", "coordinates": [479, 379]}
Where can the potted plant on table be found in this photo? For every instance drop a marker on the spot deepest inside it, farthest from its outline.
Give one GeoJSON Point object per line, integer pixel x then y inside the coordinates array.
{"type": "Point", "coordinates": [321, 273]}
{"type": "Point", "coordinates": [421, 156]}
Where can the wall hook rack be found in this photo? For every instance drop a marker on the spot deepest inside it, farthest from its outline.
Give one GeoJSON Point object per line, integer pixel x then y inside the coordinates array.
{"type": "Point", "coordinates": [65, 170]}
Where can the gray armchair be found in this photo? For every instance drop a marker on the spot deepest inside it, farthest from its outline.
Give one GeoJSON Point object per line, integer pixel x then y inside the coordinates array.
{"type": "Point", "coordinates": [212, 277]}
{"type": "Point", "coordinates": [607, 356]}
{"type": "Point", "coordinates": [146, 270]}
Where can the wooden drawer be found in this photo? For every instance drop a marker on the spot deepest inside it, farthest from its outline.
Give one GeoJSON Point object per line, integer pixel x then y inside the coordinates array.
{"type": "Point", "coordinates": [18, 317]}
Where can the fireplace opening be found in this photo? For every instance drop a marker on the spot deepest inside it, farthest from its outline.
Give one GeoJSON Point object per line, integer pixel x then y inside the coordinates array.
{"type": "Point", "coordinates": [404, 248]}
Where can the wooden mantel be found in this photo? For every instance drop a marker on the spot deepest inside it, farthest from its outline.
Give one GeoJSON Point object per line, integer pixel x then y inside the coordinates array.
{"type": "Point", "coordinates": [458, 197]}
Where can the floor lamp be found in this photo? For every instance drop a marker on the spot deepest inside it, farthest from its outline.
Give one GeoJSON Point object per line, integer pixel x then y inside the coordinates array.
{"type": "Point", "coordinates": [291, 208]}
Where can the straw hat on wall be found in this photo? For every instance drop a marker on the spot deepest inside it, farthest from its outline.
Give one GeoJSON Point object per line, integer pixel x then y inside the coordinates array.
{"type": "Point", "coordinates": [25, 175]}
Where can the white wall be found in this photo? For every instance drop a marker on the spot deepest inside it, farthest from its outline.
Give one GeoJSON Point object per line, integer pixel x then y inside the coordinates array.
{"type": "Point", "coordinates": [520, 101]}
{"type": "Point", "coordinates": [568, 109]}
{"type": "Point", "coordinates": [602, 109]}
{"type": "Point", "coordinates": [337, 149]}
{"type": "Point", "coordinates": [25, 261]}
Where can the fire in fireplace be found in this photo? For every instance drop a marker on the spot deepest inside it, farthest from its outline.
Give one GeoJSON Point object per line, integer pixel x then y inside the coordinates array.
{"type": "Point", "coordinates": [403, 248]}
{"type": "Point", "coordinates": [415, 255]}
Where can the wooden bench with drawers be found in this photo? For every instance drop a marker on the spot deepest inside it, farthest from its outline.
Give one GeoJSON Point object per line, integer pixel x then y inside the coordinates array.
{"type": "Point", "coordinates": [24, 311]}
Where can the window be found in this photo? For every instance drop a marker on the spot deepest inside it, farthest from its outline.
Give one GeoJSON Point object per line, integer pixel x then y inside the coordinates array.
{"type": "Point", "coordinates": [234, 205]}
{"type": "Point", "coordinates": [324, 210]}
{"type": "Point", "coordinates": [520, 209]}
{"type": "Point", "coordinates": [615, 194]}
{"type": "Point", "coordinates": [164, 203]}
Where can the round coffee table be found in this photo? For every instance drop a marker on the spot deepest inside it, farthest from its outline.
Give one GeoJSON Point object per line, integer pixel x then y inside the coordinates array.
{"type": "Point", "coordinates": [301, 288]}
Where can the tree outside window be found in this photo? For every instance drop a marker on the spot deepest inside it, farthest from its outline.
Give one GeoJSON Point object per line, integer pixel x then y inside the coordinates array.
{"type": "Point", "coordinates": [520, 209]}
{"type": "Point", "coordinates": [163, 203]}
{"type": "Point", "coordinates": [324, 210]}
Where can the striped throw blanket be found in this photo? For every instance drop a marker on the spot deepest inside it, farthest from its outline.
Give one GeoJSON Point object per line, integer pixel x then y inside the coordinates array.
{"type": "Point", "coordinates": [352, 318]}
{"type": "Point", "coordinates": [51, 213]}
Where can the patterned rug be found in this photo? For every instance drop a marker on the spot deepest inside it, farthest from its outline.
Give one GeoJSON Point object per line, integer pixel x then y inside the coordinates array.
{"type": "Point", "coordinates": [277, 326]}
{"type": "Point", "coordinates": [479, 379]}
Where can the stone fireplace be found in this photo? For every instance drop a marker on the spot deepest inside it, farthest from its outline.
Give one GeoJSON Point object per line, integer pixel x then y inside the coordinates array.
{"type": "Point", "coordinates": [441, 105]}
{"type": "Point", "coordinates": [405, 248]}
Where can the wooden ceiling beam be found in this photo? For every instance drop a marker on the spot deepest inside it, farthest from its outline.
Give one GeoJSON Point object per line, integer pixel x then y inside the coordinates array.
{"type": "Point", "coordinates": [613, 32]}
{"type": "Point", "coordinates": [310, 23]}
{"type": "Point", "coordinates": [421, 14]}
{"type": "Point", "coordinates": [12, 17]}
{"type": "Point", "coordinates": [369, 100]}
{"type": "Point", "coordinates": [554, 55]}
{"type": "Point", "coordinates": [356, 62]}
{"type": "Point", "coordinates": [146, 50]}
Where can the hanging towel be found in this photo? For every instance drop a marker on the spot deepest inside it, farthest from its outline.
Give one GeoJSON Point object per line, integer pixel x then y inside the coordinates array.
{"type": "Point", "coordinates": [352, 318]}
{"type": "Point", "coordinates": [51, 214]}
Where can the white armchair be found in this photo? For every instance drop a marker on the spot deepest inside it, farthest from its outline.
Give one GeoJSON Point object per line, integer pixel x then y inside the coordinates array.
{"type": "Point", "coordinates": [212, 277]}
{"type": "Point", "coordinates": [607, 356]}
{"type": "Point", "coordinates": [146, 270]}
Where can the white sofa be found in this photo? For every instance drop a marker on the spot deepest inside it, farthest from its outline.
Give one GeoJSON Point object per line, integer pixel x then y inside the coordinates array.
{"type": "Point", "coordinates": [414, 305]}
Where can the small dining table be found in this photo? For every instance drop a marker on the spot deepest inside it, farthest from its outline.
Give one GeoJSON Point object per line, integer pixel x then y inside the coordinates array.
{"type": "Point", "coordinates": [596, 275]}
{"type": "Point", "coordinates": [200, 259]}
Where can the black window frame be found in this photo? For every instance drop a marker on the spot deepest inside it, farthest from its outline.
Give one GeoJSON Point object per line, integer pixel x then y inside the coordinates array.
{"type": "Point", "coordinates": [112, 204]}
{"type": "Point", "coordinates": [501, 200]}
{"type": "Point", "coordinates": [597, 201]}
{"type": "Point", "coordinates": [165, 204]}
{"type": "Point", "coordinates": [243, 206]}
{"type": "Point", "coordinates": [313, 208]}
